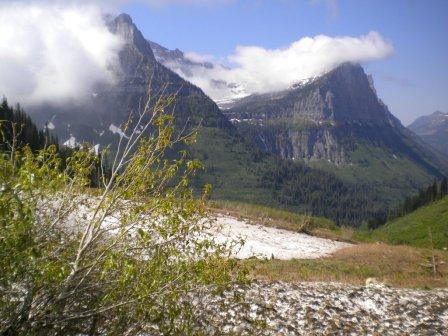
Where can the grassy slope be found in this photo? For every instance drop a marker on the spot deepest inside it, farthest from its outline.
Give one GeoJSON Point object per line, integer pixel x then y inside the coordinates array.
{"type": "Point", "coordinates": [412, 229]}
{"type": "Point", "coordinates": [230, 169]}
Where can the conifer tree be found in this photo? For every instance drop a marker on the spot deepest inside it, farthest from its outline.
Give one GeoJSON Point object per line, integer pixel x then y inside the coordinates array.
{"type": "Point", "coordinates": [444, 187]}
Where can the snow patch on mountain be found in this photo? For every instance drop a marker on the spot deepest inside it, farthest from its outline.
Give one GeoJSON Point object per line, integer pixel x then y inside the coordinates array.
{"type": "Point", "coordinates": [117, 130]}
{"type": "Point", "coordinates": [71, 142]}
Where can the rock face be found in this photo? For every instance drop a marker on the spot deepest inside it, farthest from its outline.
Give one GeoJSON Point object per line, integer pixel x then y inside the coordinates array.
{"type": "Point", "coordinates": [327, 309]}
{"type": "Point", "coordinates": [327, 119]}
{"type": "Point", "coordinates": [92, 118]}
{"type": "Point", "coordinates": [433, 129]}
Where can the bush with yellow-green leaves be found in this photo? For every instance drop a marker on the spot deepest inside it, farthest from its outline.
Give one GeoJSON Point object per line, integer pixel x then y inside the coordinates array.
{"type": "Point", "coordinates": [122, 260]}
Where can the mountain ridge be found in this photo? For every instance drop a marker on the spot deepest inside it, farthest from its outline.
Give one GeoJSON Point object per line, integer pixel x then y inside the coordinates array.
{"type": "Point", "coordinates": [433, 129]}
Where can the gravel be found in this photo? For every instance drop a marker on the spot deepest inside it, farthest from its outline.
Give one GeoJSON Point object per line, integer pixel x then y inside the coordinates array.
{"type": "Point", "coordinates": [326, 309]}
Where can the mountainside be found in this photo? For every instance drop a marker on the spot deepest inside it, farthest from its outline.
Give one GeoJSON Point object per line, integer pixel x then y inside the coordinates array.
{"type": "Point", "coordinates": [433, 129]}
{"type": "Point", "coordinates": [413, 229]}
{"type": "Point", "coordinates": [337, 122]}
{"type": "Point", "coordinates": [97, 117]}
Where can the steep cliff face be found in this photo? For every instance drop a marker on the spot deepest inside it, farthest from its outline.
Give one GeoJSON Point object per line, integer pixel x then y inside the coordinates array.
{"type": "Point", "coordinates": [433, 129]}
{"type": "Point", "coordinates": [331, 119]}
{"type": "Point", "coordinates": [95, 117]}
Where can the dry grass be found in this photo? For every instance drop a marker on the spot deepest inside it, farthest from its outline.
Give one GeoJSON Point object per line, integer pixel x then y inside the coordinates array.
{"type": "Point", "coordinates": [398, 266]}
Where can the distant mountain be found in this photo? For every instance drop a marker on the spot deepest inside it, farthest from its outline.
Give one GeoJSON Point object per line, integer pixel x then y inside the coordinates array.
{"type": "Point", "coordinates": [337, 122]}
{"type": "Point", "coordinates": [433, 129]}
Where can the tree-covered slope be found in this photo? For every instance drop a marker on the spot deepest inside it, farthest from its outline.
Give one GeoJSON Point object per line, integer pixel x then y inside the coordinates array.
{"type": "Point", "coordinates": [17, 129]}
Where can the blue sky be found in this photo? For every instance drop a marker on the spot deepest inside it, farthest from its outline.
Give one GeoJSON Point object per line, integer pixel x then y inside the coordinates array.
{"type": "Point", "coordinates": [412, 82]}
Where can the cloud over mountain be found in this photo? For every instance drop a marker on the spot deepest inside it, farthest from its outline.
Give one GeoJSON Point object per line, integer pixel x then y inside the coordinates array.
{"type": "Point", "coordinates": [261, 70]}
{"type": "Point", "coordinates": [51, 51]}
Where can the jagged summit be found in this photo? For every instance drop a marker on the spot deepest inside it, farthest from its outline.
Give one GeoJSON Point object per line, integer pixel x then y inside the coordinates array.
{"type": "Point", "coordinates": [123, 26]}
{"type": "Point", "coordinates": [125, 18]}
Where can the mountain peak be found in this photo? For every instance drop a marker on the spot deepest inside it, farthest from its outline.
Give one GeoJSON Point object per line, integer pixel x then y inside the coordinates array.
{"type": "Point", "coordinates": [125, 18]}
{"type": "Point", "coordinates": [440, 113]}
{"type": "Point", "coordinates": [135, 43]}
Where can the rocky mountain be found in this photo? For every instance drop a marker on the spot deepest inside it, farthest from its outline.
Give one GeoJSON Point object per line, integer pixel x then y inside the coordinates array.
{"type": "Point", "coordinates": [337, 121]}
{"type": "Point", "coordinates": [97, 118]}
{"type": "Point", "coordinates": [433, 129]}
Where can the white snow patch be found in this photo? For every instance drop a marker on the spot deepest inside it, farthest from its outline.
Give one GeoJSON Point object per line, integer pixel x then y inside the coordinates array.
{"type": "Point", "coordinates": [50, 126]}
{"type": "Point", "coordinates": [95, 149]}
{"type": "Point", "coordinates": [117, 130]}
{"type": "Point", "coordinates": [71, 142]}
{"type": "Point", "coordinates": [266, 242]}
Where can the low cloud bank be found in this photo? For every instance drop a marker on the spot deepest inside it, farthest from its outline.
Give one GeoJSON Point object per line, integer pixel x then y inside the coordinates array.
{"type": "Point", "coordinates": [51, 52]}
{"type": "Point", "coordinates": [255, 69]}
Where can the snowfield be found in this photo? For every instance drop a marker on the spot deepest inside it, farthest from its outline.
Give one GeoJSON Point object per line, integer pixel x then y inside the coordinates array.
{"type": "Point", "coordinates": [267, 242]}
{"type": "Point", "coordinates": [247, 240]}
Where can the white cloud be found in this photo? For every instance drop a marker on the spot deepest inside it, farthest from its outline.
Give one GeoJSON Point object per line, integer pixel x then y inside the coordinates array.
{"type": "Point", "coordinates": [195, 57]}
{"type": "Point", "coordinates": [53, 51]}
{"type": "Point", "coordinates": [261, 70]}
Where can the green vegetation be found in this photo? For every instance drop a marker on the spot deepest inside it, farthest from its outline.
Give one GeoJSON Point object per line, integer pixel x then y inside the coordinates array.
{"type": "Point", "coordinates": [393, 176]}
{"type": "Point", "coordinates": [120, 262]}
{"type": "Point", "coordinates": [321, 193]}
{"type": "Point", "coordinates": [413, 228]}
{"type": "Point", "coordinates": [16, 126]}
{"type": "Point", "coordinates": [238, 173]}
{"type": "Point", "coordinates": [230, 167]}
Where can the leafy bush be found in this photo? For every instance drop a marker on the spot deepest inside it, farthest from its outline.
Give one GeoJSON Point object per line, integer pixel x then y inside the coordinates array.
{"type": "Point", "coordinates": [124, 260]}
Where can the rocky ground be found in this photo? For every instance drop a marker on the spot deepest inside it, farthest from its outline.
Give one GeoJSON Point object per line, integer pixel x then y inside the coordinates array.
{"type": "Point", "coordinates": [327, 309]}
